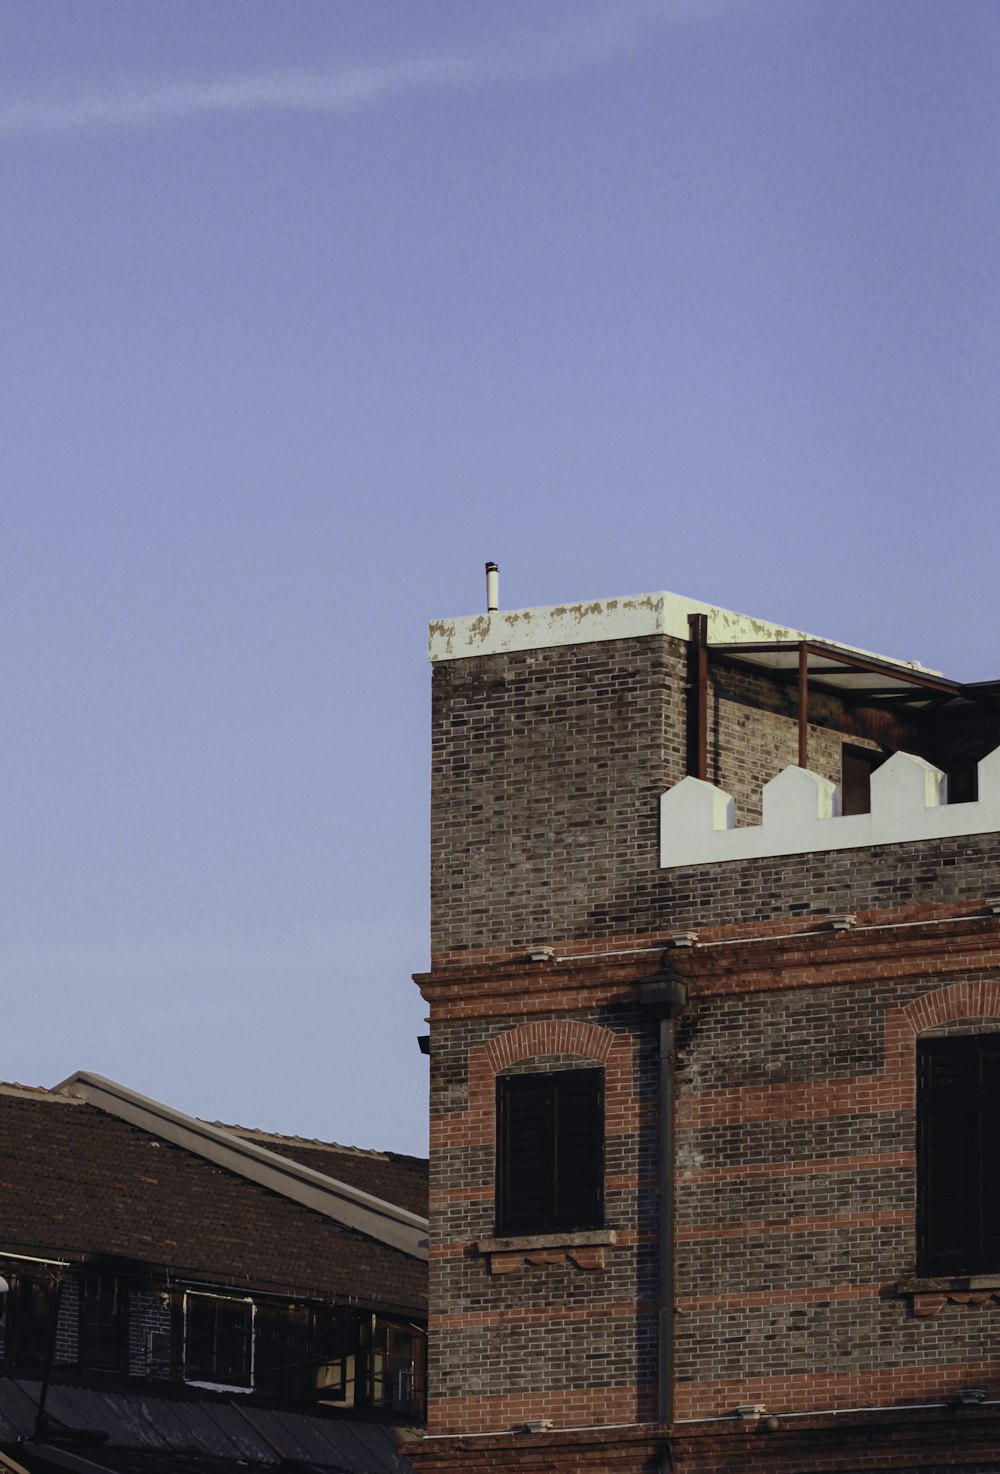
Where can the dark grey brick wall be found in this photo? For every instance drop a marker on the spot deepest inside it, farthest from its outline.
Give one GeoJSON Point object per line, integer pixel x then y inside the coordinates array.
{"type": "Point", "coordinates": [546, 769]}
{"type": "Point", "coordinates": [548, 766]}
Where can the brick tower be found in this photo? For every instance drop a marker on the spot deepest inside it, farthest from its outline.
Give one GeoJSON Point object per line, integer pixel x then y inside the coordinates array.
{"type": "Point", "coordinates": [715, 1076]}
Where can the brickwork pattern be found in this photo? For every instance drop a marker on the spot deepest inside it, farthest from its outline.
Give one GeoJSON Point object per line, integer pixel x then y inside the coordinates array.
{"type": "Point", "coordinates": [552, 1333]}
{"type": "Point", "coordinates": [68, 1326]}
{"type": "Point", "coordinates": [915, 1441]}
{"type": "Point", "coordinates": [753, 732]}
{"type": "Point", "coordinates": [795, 1152]}
{"type": "Point", "coordinates": [786, 1277]}
{"type": "Point", "coordinates": [150, 1325]}
{"type": "Point", "coordinates": [132, 1196]}
{"type": "Point", "coordinates": [795, 1188]}
{"type": "Point", "coordinates": [546, 768]}
{"type": "Point", "coordinates": [546, 774]}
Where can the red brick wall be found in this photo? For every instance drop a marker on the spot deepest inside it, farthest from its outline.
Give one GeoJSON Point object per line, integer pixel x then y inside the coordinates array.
{"type": "Point", "coordinates": [795, 1085]}
{"type": "Point", "coordinates": [795, 1195]}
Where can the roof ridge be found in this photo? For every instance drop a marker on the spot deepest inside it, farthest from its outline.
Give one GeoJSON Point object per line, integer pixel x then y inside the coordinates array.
{"type": "Point", "coordinates": [14, 1087]}
{"type": "Point", "coordinates": [334, 1146]}
{"type": "Point", "coordinates": [377, 1217]}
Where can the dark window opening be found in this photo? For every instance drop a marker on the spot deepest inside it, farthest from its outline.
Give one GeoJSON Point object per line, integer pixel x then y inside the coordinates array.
{"type": "Point", "coordinates": [963, 783]}
{"type": "Point", "coordinates": [218, 1341]}
{"type": "Point", "coordinates": [857, 766]}
{"type": "Point", "coordinates": [958, 1154]}
{"type": "Point", "coordinates": [282, 1362]}
{"type": "Point", "coordinates": [28, 1324]}
{"type": "Point", "coordinates": [103, 1323]}
{"type": "Point", "coordinates": [335, 1356]}
{"type": "Point", "coordinates": [397, 1367]}
{"type": "Point", "coordinates": [362, 1361]}
{"type": "Point", "coordinates": [550, 1152]}
{"type": "Point", "coordinates": [401, 1351]}
{"type": "Point", "coordinates": [352, 1359]}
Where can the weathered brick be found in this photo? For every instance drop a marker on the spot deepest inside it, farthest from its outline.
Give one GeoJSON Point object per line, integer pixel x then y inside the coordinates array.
{"type": "Point", "coordinates": [795, 1161]}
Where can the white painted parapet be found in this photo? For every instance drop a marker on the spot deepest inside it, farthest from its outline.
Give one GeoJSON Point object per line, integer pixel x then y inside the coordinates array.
{"type": "Point", "coordinates": [801, 813]}
{"type": "Point", "coordinates": [609, 619]}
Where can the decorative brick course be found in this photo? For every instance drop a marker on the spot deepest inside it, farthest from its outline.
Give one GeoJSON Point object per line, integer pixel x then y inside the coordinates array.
{"type": "Point", "coordinates": [795, 1083]}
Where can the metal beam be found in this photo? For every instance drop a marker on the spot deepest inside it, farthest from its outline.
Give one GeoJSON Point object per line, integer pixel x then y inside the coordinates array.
{"type": "Point", "coordinates": [698, 689]}
{"type": "Point", "coordinates": [803, 705]}
{"type": "Point", "coordinates": [665, 997]}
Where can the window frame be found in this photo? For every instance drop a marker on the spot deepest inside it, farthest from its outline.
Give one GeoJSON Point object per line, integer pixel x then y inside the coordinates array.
{"type": "Point", "coordinates": [102, 1324]}
{"type": "Point", "coordinates": [27, 1320]}
{"type": "Point", "coordinates": [196, 1301]}
{"type": "Point", "coordinates": [958, 1153]}
{"type": "Point", "coordinates": [541, 1160]}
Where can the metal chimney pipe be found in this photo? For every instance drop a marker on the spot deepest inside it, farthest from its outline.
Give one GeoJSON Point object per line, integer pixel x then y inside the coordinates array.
{"type": "Point", "coordinates": [492, 588]}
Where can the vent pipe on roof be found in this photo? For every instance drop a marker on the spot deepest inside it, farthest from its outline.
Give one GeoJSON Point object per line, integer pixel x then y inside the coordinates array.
{"type": "Point", "coordinates": [492, 588]}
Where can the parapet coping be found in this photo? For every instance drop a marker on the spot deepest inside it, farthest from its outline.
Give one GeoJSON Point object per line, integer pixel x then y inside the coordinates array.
{"type": "Point", "coordinates": [801, 814]}
{"type": "Point", "coordinates": [631, 617]}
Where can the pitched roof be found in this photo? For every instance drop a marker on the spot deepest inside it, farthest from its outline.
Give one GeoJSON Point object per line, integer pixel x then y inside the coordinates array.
{"type": "Point", "coordinates": [78, 1182]}
{"type": "Point", "coordinates": [331, 1196]}
{"type": "Point", "coordinates": [390, 1175]}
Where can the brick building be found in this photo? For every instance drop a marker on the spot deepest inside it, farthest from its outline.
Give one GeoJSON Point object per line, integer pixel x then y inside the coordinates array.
{"type": "Point", "coordinates": [186, 1296]}
{"type": "Point", "coordinates": [714, 1025]}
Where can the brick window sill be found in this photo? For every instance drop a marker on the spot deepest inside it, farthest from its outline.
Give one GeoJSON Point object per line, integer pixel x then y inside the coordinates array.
{"type": "Point", "coordinates": [930, 1293]}
{"type": "Point", "coordinates": [586, 1249]}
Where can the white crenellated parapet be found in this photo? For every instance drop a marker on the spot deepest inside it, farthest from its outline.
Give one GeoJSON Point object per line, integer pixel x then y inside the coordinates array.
{"type": "Point", "coordinates": [801, 813]}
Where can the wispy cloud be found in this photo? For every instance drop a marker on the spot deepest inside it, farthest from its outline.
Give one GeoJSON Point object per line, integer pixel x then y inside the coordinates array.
{"type": "Point", "coordinates": [594, 35]}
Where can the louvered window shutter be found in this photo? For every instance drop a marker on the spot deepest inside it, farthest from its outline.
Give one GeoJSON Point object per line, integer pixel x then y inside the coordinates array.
{"type": "Point", "coordinates": [550, 1160]}
{"type": "Point", "coordinates": [579, 1123]}
{"type": "Point", "coordinates": [989, 1150]}
{"type": "Point", "coordinates": [527, 1146]}
{"type": "Point", "coordinates": [958, 1150]}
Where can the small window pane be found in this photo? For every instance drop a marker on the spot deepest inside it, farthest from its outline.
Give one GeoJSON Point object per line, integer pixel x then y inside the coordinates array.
{"type": "Point", "coordinates": [217, 1342]}
{"type": "Point", "coordinates": [103, 1329]}
{"type": "Point", "coordinates": [28, 1325]}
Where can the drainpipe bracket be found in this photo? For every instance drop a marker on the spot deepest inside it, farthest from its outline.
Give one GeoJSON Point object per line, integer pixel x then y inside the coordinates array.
{"type": "Point", "coordinates": [664, 996]}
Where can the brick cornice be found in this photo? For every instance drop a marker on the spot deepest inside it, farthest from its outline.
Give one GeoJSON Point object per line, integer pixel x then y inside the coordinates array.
{"type": "Point", "coordinates": [905, 1438]}
{"type": "Point", "coordinates": [481, 961]}
{"type": "Point", "coordinates": [936, 943]}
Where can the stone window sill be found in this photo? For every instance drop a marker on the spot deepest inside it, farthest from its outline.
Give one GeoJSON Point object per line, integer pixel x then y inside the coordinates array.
{"type": "Point", "coordinates": [930, 1293]}
{"type": "Point", "coordinates": [586, 1249]}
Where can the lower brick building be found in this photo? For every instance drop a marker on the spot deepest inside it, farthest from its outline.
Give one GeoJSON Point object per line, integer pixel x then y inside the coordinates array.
{"type": "Point", "coordinates": [715, 1050]}
{"type": "Point", "coordinates": [179, 1295]}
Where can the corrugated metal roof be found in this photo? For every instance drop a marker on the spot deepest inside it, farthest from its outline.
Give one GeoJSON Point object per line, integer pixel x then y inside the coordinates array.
{"type": "Point", "coordinates": [199, 1429]}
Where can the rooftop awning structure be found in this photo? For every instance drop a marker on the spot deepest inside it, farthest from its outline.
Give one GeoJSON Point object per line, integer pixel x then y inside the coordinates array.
{"type": "Point", "coordinates": [856, 677]}
{"type": "Point", "coordinates": [832, 668]}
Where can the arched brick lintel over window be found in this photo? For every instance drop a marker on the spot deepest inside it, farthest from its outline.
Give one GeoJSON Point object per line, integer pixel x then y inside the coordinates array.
{"type": "Point", "coordinates": [953, 1004]}
{"type": "Point", "coordinates": [948, 1005]}
{"type": "Point", "coordinates": [552, 1037]}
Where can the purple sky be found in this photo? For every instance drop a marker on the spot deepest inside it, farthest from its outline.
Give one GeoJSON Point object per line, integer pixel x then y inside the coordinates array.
{"type": "Point", "coordinates": [310, 308]}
